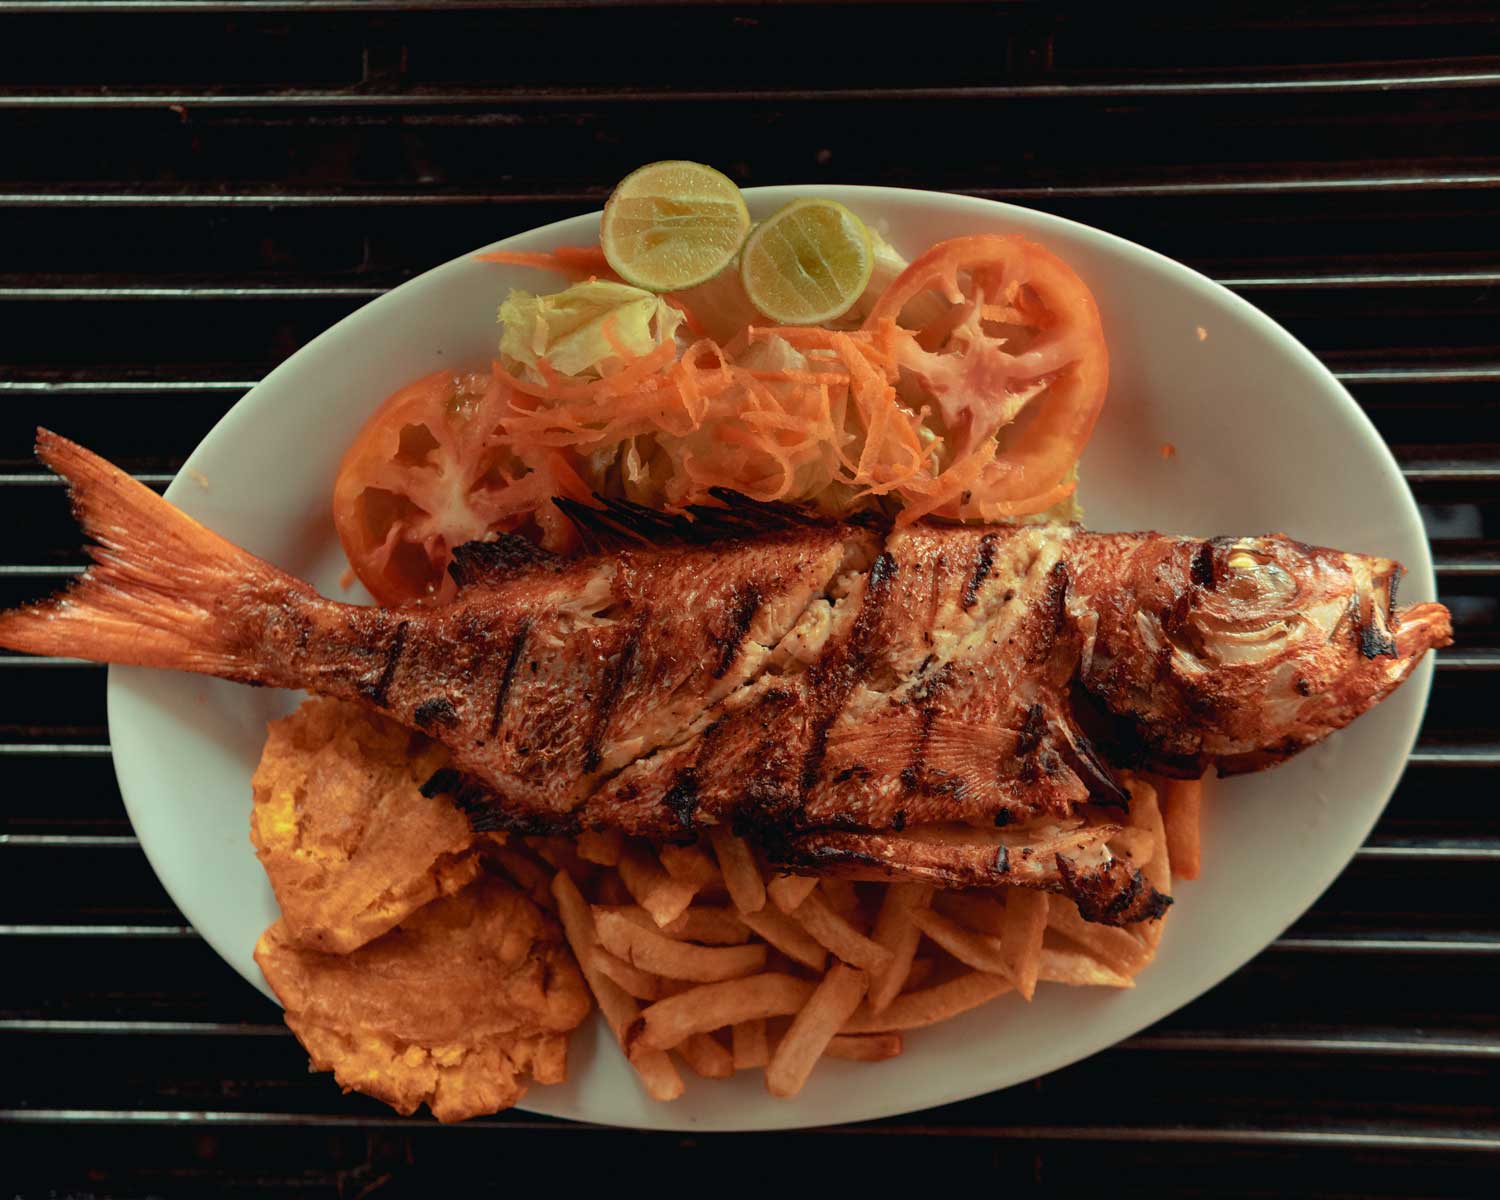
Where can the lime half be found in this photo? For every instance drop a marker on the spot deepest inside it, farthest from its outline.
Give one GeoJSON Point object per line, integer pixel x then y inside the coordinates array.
{"type": "Point", "coordinates": [807, 263]}
{"type": "Point", "coordinates": [672, 225]}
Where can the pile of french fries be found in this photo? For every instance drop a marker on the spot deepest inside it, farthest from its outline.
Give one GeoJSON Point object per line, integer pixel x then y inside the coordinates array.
{"type": "Point", "coordinates": [698, 954]}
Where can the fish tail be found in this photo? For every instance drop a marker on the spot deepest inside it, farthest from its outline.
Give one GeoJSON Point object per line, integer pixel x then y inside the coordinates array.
{"type": "Point", "coordinates": [162, 591]}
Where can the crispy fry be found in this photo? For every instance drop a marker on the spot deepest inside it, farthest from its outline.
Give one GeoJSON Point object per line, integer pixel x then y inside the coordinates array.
{"type": "Point", "coordinates": [1021, 938]}
{"type": "Point", "coordinates": [875, 1047]}
{"type": "Point", "coordinates": [787, 936]}
{"type": "Point", "coordinates": [608, 889]}
{"type": "Point", "coordinates": [660, 1077]}
{"type": "Point", "coordinates": [832, 931]}
{"type": "Point", "coordinates": [840, 896]}
{"type": "Point", "coordinates": [788, 891]}
{"type": "Point", "coordinates": [702, 923]}
{"type": "Point", "coordinates": [1118, 949]}
{"type": "Point", "coordinates": [653, 889]}
{"type": "Point", "coordinates": [707, 1056]}
{"type": "Point", "coordinates": [603, 847]}
{"type": "Point", "coordinates": [977, 950]}
{"type": "Point", "coordinates": [530, 876]}
{"type": "Point", "coordinates": [654, 951]}
{"type": "Point", "coordinates": [981, 912]}
{"type": "Point", "coordinates": [920, 975]}
{"type": "Point", "coordinates": [1061, 965]}
{"type": "Point", "coordinates": [561, 854]}
{"type": "Point", "coordinates": [690, 864]}
{"type": "Point", "coordinates": [634, 981]}
{"type": "Point", "coordinates": [737, 864]}
{"type": "Point", "coordinates": [1182, 806]}
{"type": "Point", "coordinates": [898, 933]}
{"type": "Point", "coordinates": [1145, 813]}
{"type": "Point", "coordinates": [750, 1047]}
{"type": "Point", "coordinates": [713, 1006]}
{"type": "Point", "coordinates": [930, 1005]}
{"type": "Point", "coordinates": [814, 1027]}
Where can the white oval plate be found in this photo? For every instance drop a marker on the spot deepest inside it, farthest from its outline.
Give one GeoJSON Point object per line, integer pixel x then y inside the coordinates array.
{"type": "Point", "coordinates": [1266, 440]}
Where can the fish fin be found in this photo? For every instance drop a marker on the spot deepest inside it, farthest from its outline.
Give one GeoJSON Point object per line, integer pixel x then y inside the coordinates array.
{"type": "Point", "coordinates": [506, 557]}
{"type": "Point", "coordinates": [611, 524]}
{"type": "Point", "coordinates": [156, 594]}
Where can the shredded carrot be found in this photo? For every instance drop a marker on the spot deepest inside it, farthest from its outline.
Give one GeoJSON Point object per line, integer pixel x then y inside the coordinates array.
{"type": "Point", "coordinates": [664, 427]}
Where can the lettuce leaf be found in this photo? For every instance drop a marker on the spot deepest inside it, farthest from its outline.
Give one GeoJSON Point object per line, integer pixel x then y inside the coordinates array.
{"type": "Point", "coordinates": [567, 328]}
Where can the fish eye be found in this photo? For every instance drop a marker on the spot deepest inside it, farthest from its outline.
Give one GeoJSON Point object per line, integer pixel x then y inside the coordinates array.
{"type": "Point", "coordinates": [1256, 577]}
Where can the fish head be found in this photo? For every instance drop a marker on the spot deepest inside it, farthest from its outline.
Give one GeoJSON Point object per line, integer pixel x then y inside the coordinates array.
{"type": "Point", "coordinates": [1247, 650]}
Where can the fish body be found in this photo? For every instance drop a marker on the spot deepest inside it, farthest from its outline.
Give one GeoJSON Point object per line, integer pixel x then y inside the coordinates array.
{"type": "Point", "coordinates": [931, 702]}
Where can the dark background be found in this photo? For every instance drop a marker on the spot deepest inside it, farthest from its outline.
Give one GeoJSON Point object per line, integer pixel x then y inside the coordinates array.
{"type": "Point", "coordinates": [189, 191]}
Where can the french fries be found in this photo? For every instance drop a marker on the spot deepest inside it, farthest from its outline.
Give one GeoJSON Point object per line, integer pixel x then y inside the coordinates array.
{"type": "Point", "coordinates": [654, 951]}
{"type": "Point", "coordinates": [1059, 965]}
{"type": "Point", "coordinates": [1021, 938]}
{"type": "Point", "coordinates": [788, 891]}
{"type": "Point", "coordinates": [897, 932]}
{"type": "Point", "coordinates": [737, 864]}
{"type": "Point", "coordinates": [690, 865]}
{"type": "Point", "coordinates": [664, 897]}
{"type": "Point", "coordinates": [748, 1044]}
{"type": "Point", "coordinates": [620, 1012]}
{"type": "Point", "coordinates": [873, 1047]}
{"type": "Point", "coordinates": [632, 980]}
{"type": "Point", "coordinates": [978, 950]}
{"type": "Point", "coordinates": [692, 951]}
{"type": "Point", "coordinates": [787, 936]}
{"type": "Point", "coordinates": [1181, 810]}
{"type": "Point", "coordinates": [930, 1005]}
{"type": "Point", "coordinates": [669, 1022]}
{"type": "Point", "coordinates": [1115, 948]}
{"type": "Point", "coordinates": [831, 930]}
{"type": "Point", "coordinates": [814, 1027]}
{"type": "Point", "coordinates": [602, 848]}
{"type": "Point", "coordinates": [707, 1057]}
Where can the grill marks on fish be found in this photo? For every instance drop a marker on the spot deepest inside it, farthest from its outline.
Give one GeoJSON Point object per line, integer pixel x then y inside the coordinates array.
{"type": "Point", "coordinates": [842, 666]}
{"type": "Point", "coordinates": [742, 612]}
{"type": "Point", "coordinates": [983, 562]}
{"type": "Point", "coordinates": [508, 674]}
{"type": "Point", "coordinates": [378, 693]}
{"type": "Point", "coordinates": [614, 682]}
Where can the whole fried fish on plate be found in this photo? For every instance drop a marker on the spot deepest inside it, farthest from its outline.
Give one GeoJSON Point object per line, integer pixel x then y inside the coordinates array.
{"type": "Point", "coordinates": [349, 842]}
{"type": "Point", "coordinates": [823, 687]}
{"type": "Point", "coordinates": [457, 1007]}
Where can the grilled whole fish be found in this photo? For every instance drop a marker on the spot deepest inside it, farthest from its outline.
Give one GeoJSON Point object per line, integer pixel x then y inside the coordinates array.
{"type": "Point", "coordinates": [941, 703]}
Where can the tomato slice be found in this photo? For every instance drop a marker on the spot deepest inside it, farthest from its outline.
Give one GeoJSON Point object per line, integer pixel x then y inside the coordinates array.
{"type": "Point", "coordinates": [1010, 353]}
{"type": "Point", "coordinates": [428, 472]}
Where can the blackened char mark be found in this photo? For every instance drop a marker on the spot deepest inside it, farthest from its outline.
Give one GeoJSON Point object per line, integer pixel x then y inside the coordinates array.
{"type": "Point", "coordinates": [1202, 570]}
{"type": "Point", "coordinates": [681, 799]}
{"type": "Point", "coordinates": [1374, 642]}
{"type": "Point", "coordinates": [488, 811]}
{"type": "Point", "coordinates": [1032, 728]}
{"type": "Point", "coordinates": [504, 558]}
{"type": "Point", "coordinates": [982, 566]}
{"type": "Point", "coordinates": [1052, 612]}
{"type": "Point", "coordinates": [508, 674]}
{"type": "Point", "coordinates": [438, 711]}
{"type": "Point", "coordinates": [376, 693]}
{"type": "Point", "coordinates": [742, 611]}
{"type": "Point", "coordinates": [609, 695]}
{"type": "Point", "coordinates": [842, 666]}
{"type": "Point", "coordinates": [915, 774]}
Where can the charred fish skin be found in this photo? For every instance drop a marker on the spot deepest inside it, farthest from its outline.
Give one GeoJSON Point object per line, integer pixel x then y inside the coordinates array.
{"type": "Point", "coordinates": [793, 677]}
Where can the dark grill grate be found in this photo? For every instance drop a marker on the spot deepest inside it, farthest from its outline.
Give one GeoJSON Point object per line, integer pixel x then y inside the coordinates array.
{"type": "Point", "coordinates": [191, 189]}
